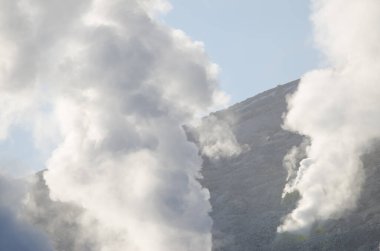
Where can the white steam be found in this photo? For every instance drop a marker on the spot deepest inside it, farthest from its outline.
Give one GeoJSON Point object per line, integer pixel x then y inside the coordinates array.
{"type": "Point", "coordinates": [111, 87]}
{"type": "Point", "coordinates": [215, 139]}
{"type": "Point", "coordinates": [15, 231]}
{"type": "Point", "coordinates": [338, 109]}
{"type": "Point", "coordinates": [295, 157]}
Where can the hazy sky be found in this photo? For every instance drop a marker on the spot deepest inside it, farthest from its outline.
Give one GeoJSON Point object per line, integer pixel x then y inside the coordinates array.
{"type": "Point", "coordinates": [258, 44]}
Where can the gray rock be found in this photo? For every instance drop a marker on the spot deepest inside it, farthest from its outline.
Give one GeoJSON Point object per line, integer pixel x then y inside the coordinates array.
{"type": "Point", "coordinates": [246, 190]}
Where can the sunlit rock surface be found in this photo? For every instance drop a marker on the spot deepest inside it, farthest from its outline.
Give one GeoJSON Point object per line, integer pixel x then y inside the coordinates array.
{"type": "Point", "coordinates": [245, 192]}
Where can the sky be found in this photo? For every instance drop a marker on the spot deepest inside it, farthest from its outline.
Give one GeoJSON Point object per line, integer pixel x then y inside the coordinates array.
{"type": "Point", "coordinates": [111, 89]}
{"type": "Point", "coordinates": [257, 44]}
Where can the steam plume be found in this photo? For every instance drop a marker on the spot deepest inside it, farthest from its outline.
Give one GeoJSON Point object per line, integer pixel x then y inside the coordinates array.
{"type": "Point", "coordinates": [15, 232]}
{"type": "Point", "coordinates": [109, 87]}
{"type": "Point", "coordinates": [215, 138]}
{"type": "Point", "coordinates": [338, 109]}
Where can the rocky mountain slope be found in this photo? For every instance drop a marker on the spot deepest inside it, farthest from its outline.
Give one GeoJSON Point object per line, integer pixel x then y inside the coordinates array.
{"type": "Point", "coordinates": [246, 191]}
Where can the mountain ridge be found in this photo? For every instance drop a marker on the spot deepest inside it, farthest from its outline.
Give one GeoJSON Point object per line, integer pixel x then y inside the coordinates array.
{"type": "Point", "coordinates": [252, 184]}
{"type": "Point", "coordinates": [246, 191]}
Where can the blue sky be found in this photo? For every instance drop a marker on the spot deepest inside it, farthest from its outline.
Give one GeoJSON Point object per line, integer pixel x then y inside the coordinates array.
{"type": "Point", "coordinates": [258, 44]}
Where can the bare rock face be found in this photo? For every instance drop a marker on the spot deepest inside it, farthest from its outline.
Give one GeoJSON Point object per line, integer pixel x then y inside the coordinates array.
{"type": "Point", "coordinates": [246, 190]}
